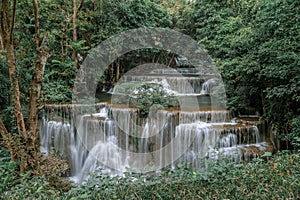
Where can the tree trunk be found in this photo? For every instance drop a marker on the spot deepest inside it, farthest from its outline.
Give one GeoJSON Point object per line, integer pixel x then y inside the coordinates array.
{"type": "Point", "coordinates": [117, 71]}
{"type": "Point", "coordinates": [36, 87]}
{"type": "Point", "coordinates": [14, 146]}
{"type": "Point", "coordinates": [16, 96]}
{"type": "Point", "coordinates": [37, 77]}
{"type": "Point", "coordinates": [24, 147]}
{"type": "Point", "coordinates": [75, 37]}
{"type": "Point", "coordinates": [9, 142]}
{"type": "Point", "coordinates": [7, 26]}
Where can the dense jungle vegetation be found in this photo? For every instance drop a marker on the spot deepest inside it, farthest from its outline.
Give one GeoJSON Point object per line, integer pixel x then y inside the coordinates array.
{"type": "Point", "coordinates": [254, 43]}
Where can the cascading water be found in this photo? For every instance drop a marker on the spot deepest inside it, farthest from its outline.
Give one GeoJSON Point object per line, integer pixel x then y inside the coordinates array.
{"type": "Point", "coordinates": [116, 138]}
{"type": "Point", "coordinates": [208, 85]}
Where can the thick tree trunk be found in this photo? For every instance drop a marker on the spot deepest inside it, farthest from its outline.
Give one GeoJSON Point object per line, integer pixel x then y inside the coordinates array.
{"type": "Point", "coordinates": [32, 136]}
{"type": "Point", "coordinates": [36, 83]}
{"type": "Point", "coordinates": [16, 96]}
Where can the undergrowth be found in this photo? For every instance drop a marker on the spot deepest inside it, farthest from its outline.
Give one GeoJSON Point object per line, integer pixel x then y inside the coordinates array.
{"type": "Point", "coordinates": [277, 178]}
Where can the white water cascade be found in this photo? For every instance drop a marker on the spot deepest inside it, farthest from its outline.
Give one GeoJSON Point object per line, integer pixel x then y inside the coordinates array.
{"type": "Point", "coordinates": [116, 138]}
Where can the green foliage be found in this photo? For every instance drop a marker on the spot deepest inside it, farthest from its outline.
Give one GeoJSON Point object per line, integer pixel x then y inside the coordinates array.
{"type": "Point", "coordinates": [57, 92]}
{"type": "Point", "coordinates": [136, 11]}
{"type": "Point", "coordinates": [97, 21]}
{"type": "Point", "coordinates": [278, 55]}
{"type": "Point", "coordinates": [149, 96]}
{"type": "Point", "coordinates": [8, 172]}
{"type": "Point", "coordinates": [112, 17]}
{"type": "Point", "coordinates": [126, 88]}
{"type": "Point", "coordinates": [30, 188]}
{"type": "Point", "coordinates": [58, 82]}
{"type": "Point", "coordinates": [276, 179]}
{"type": "Point", "coordinates": [5, 85]}
{"type": "Point", "coordinates": [256, 47]}
{"type": "Point", "coordinates": [6, 110]}
{"type": "Point", "coordinates": [294, 136]}
{"type": "Point", "coordinates": [14, 185]}
{"type": "Point", "coordinates": [24, 52]}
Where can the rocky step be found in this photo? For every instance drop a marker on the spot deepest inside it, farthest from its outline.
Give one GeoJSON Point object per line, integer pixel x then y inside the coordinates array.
{"type": "Point", "coordinates": [242, 152]}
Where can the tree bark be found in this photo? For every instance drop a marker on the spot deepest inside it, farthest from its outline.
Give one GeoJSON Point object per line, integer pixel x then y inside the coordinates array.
{"type": "Point", "coordinates": [16, 148]}
{"type": "Point", "coordinates": [36, 84]}
{"type": "Point", "coordinates": [9, 142]}
{"type": "Point", "coordinates": [7, 26]}
{"type": "Point", "coordinates": [117, 71]}
{"type": "Point", "coordinates": [23, 147]}
{"type": "Point", "coordinates": [75, 36]}
{"type": "Point", "coordinates": [16, 96]}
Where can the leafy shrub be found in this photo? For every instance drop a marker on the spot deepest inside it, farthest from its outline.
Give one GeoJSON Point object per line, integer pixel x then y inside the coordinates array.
{"type": "Point", "coordinates": [123, 91]}
{"type": "Point", "coordinates": [294, 136]}
{"type": "Point", "coordinates": [278, 178]}
{"type": "Point", "coordinates": [152, 96]}
{"type": "Point", "coordinates": [30, 188]}
{"type": "Point", "coordinates": [14, 185]}
{"type": "Point", "coordinates": [8, 173]}
{"type": "Point", "coordinates": [144, 96]}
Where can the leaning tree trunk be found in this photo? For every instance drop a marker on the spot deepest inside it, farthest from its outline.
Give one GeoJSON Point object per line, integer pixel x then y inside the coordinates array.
{"type": "Point", "coordinates": [7, 26]}
{"type": "Point", "coordinates": [17, 150]}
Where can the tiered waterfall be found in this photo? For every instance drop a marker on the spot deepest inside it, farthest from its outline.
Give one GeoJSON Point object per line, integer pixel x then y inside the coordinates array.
{"type": "Point", "coordinates": [116, 138]}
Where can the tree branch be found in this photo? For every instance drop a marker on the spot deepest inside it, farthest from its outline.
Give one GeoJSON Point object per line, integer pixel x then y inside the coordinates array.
{"type": "Point", "coordinates": [80, 5]}
{"type": "Point", "coordinates": [3, 131]}
{"type": "Point", "coordinates": [13, 18]}
{"type": "Point", "coordinates": [44, 40]}
{"type": "Point", "coordinates": [8, 141]}
{"type": "Point", "coordinates": [36, 23]}
{"type": "Point", "coordinates": [75, 37]}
